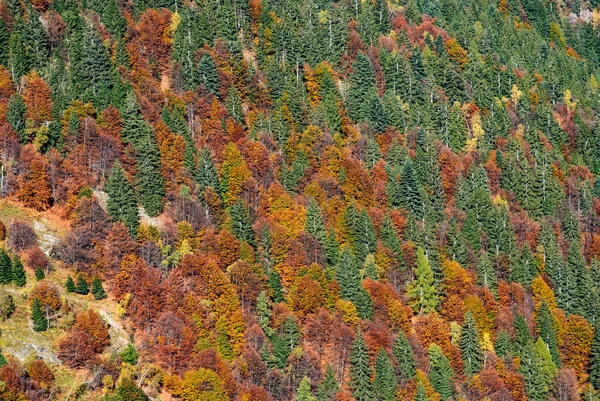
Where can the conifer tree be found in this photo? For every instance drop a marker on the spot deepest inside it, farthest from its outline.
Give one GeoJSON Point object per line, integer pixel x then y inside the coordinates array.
{"type": "Point", "coordinates": [97, 289]}
{"type": "Point", "coordinates": [422, 292]}
{"type": "Point", "coordinates": [486, 276]}
{"type": "Point", "coordinates": [122, 203]}
{"type": "Point", "coordinates": [360, 370]}
{"type": "Point", "coordinates": [206, 174]}
{"type": "Point", "coordinates": [441, 375]}
{"type": "Point", "coordinates": [421, 393]}
{"type": "Point", "coordinates": [81, 287]}
{"type": "Point", "coordinates": [40, 323]}
{"type": "Point", "coordinates": [385, 382]}
{"type": "Point", "coordinates": [6, 276]}
{"type": "Point", "coordinates": [365, 239]}
{"type": "Point", "coordinates": [15, 115]}
{"type": "Point", "coordinates": [209, 76]}
{"type": "Point", "coordinates": [545, 327]}
{"type": "Point", "coordinates": [348, 277]}
{"type": "Point", "coordinates": [150, 183]}
{"type": "Point", "coordinates": [70, 284]}
{"type": "Point", "coordinates": [39, 274]}
{"type": "Point", "coordinates": [404, 354]}
{"type": "Point", "coordinates": [129, 355]}
{"type": "Point", "coordinates": [304, 392]}
{"type": "Point", "coordinates": [502, 345]}
{"type": "Point", "coordinates": [18, 272]}
{"type": "Point", "coordinates": [241, 225]}
{"type": "Point", "coordinates": [314, 223]}
{"type": "Point", "coordinates": [361, 88]}
{"type": "Point", "coordinates": [410, 197]}
{"type": "Point", "coordinates": [595, 359]}
{"type": "Point", "coordinates": [470, 350]}
{"type": "Point", "coordinates": [328, 387]}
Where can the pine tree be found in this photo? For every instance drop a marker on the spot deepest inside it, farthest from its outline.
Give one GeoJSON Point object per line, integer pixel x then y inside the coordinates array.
{"type": "Point", "coordinates": [209, 76]}
{"type": "Point", "coordinates": [361, 88]}
{"type": "Point", "coordinates": [97, 289]}
{"type": "Point", "coordinates": [70, 284]}
{"type": "Point", "coordinates": [440, 372]}
{"type": "Point", "coordinates": [470, 350]}
{"type": "Point", "coordinates": [365, 239]}
{"type": "Point", "coordinates": [150, 183]}
{"type": "Point", "coordinates": [81, 287]}
{"type": "Point", "coordinates": [422, 292]}
{"type": "Point", "coordinates": [421, 393]}
{"type": "Point", "coordinates": [486, 276]}
{"type": "Point", "coordinates": [403, 353]}
{"type": "Point", "coordinates": [410, 197]}
{"type": "Point", "coordinates": [96, 71]}
{"type": "Point", "coordinates": [502, 345]}
{"type": "Point", "coordinates": [360, 371]}
{"type": "Point", "coordinates": [18, 272]}
{"type": "Point", "coordinates": [15, 115]}
{"type": "Point", "coordinates": [545, 327]}
{"type": "Point", "coordinates": [314, 223]}
{"type": "Point", "coordinates": [40, 323]}
{"type": "Point", "coordinates": [241, 224]}
{"type": "Point", "coordinates": [385, 382]}
{"type": "Point", "coordinates": [39, 274]}
{"type": "Point", "coordinates": [129, 355]}
{"type": "Point", "coordinates": [121, 203]}
{"type": "Point", "coordinates": [6, 276]}
{"type": "Point", "coordinates": [304, 392]}
{"type": "Point", "coordinates": [348, 277]}
{"type": "Point", "coordinates": [595, 359]}
{"type": "Point", "coordinates": [206, 174]}
{"type": "Point", "coordinates": [328, 387]}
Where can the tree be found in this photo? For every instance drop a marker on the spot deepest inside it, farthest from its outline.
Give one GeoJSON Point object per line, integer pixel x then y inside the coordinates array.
{"type": "Point", "coordinates": [385, 382]}
{"type": "Point", "coordinates": [348, 277]}
{"type": "Point", "coordinates": [241, 224]}
{"type": "Point", "coordinates": [209, 76]}
{"type": "Point", "coordinates": [470, 350]}
{"type": "Point", "coordinates": [7, 306]}
{"type": "Point", "coordinates": [149, 182]}
{"type": "Point", "coordinates": [360, 371]}
{"type": "Point", "coordinates": [128, 390]}
{"type": "Point", "coordinates": [410, 197]}
{"type": "Point", "coordinates": [203, 384]}
{"type": "Point", "coordinates": [15, 115]}
{"type": "Point", "coordinates": [328, 387]}
{"type": "Point", "coordinates": [404, 354]}
{"type": "Point", "coordinates": [122, 203]}
{"type": "Point", "coordinates": [97, 289]}
{"type": "Point", "coordinates": [422, 292]}
{"type": "Point", "coordinates": [129, 355]}
{"type": "Point", "coordinates": [18, 272]}
{"type": "Point", "coordinates": [39, 274]}
{"type": "Point", "coordinates": [70, 284]}
{"type": "Point", "coordinates": [545, 326]}
{"type": "Point", "coordinates": [81, 287]}
{"type": "Point", "coordinates": [6, 276]}
{"type": "Point", "coordinates": [40, 323]}
{"type": "Point", "coordinates": [304, 393]}
{"type": "Point", "coordinates": [595, 359]}
{"type": "Point", "coordinates": [440, 372]}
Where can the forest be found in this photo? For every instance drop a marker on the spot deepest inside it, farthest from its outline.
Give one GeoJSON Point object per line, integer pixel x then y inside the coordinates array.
{"type": "Point", "coordinates": [300, 200]}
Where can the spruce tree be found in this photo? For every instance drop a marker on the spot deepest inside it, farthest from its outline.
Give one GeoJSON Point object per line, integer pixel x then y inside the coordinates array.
{"type": "Point", "coordinates": [385, 381]}
{"type": "Point", "coordinates": [595, 359]}
{"type": "Point", "coordinates": [486, 276]}
{"type": "Point", "coordinates": [422, 292]}
{"type": "Point", "coordinates": [209, 76]}
{"type": "Point", "coordinates": [365, 238]}
{"type": "Point", "coordinates": [129, 355]}
{"type": "Point", "coordinates": [328, 387]}
{"type": "Point", "coordinates": [545, 328]}
{"type": "Point", "coordinates": [15, 115]}
{"type": "Point", "coordinates": [241, 224]}
{"type": "Point", "coordinates": [410, 195]}
{"type": "Point", "coordinates": [70, 284]}
{"type": "Point", "coordinates": [441, 375]}
{"type": "Point", "coordinates": [348, 277]}
{"type": "Point", "coordinates": [502, 346]}
{"type": "Point", "coordinates": [150, 184]}
{"type": "Point", "coordinates": [122, 203]}
{"type": "Point", "coordinates": [404, 354]}
{"type": "Point", "coordinates": [421, 393]}
{"type": "Point", "coordinates": [304, 392]}
{"type": "Point", "coordinates": [39, 274]}
{"type": "Point", "coordinates": [40, 323]}
{"type": "Point", "coordinates": [18, 272]}
{"type": "Point", "coordinates": [360, 370]}
{"type": "Point", "coordinates": [97, 289]}
{"type": "Point", "coordinates": [81, 287]}
{"type": "Point", "coordinates": [6, 276]}
{"type": "Point", "coordinates": [314, 223]}
{"type": "Point", "coordinates": [470, 350]}
{"type": "Point", "coordinates": [206, 174]}
{"type": "Point", "coordinates": [361, 88]}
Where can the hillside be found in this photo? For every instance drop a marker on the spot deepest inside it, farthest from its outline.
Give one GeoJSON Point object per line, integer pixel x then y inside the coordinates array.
{"type": "Point", "coordinates": [293, 200]}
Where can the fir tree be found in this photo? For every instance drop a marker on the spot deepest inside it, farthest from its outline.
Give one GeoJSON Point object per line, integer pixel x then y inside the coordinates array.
{"type": "Point", "coordinates": [70, 284]}
{"type": "Point", "coordinates": [595, 359]}
{"type": "Point", "coordinates": [403, 353]}
{"type": "Point", "coordinates": [241, 224]}
{"type": "Point", "coordinates": [6, 276]}
{"type": "Point", "coordinates": [97, 289]}
{"type": "Point", "coordinates": [348, 277]}
{"type": "Point", "coordinates": [150, 183]}
{"type": "Point", "coordinates": [385, 383]}
{"type": "Point", "coordinates": [304, 392]}
{"type": "Point", "coordinates": [486, 276]}
{"type": "Point", "coordinates": [422, 292]}
{"type": "Point", "coordinates": [18, 272]}
{"type": "Point", "coordinates": [503, 343]}
{"type": "Point", "coordinates": [129, 355]}
{"type": "Point", "coordinates": [440, 372]}
{"type": "Point", "coordinates": [314, 223]}
{"type": "Point", "coordinates": [81, 287]}
{"type": "Point", "coordinates": [328, 387]}
{"type": "Point", "coordinates": [121, 203]}
{"type": "Point", "coordinates": [410, 197]}
{"type": "Point", "coordinates": [421, 393]}
{"type": "Point", "coordinates": [40, 323]}
{"type": "Point", "coordinates": [15, 115]}
{"type": "Point", "coordinates": [470, 350]}
{"type": "Point", "coordinates": [209, 76]}
{"type": "Point", "coordinates": [545, 327]}
{"type": "Point", "coordinates": [360, 371]}
{"type": "Point", "coordinates": [39, 274]}
{"type": "Point", "coordinates": [206, 174]}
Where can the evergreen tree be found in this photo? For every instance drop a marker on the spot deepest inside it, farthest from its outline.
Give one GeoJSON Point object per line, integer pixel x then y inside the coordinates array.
{"type": "Point", "coordinates": [241, 224]}
{"type": "Point", "coordinates": [150, 183]}
{"type": "Point", "coordinates": [129, 355]}
{"type": "Point", "coordinates": [15, 115]}
{"type": "Point", "coordinates": [470, 350]}
{"type": "Point", "coordinates": [595, 359]}
{"type": "Point", "coordinates": [304, 392]}
{"type": "Point", "coordinates": [314, 223]}
{"type": "Point", "coordinates": [421, 393]}
{"type": "Point", "coordinates": [209, 76]}
{"type": "Point", "coordinates": [39, 274]}
{"type": "Point", "coordinates": [328, 387]}
{"type": "Point", "coordinates": [422, 292]}
{"type": "Point", "coordinates": [503, 343]}
{"type": "Point", "coordinates": [18, 272]}
{"type": "Point", "coordinates": [361, 88]}
{"type": "Point", "coordinates": [70, 284]}
{"type": "Point", "coordinates": [81, 287]}
{"type": "Point", "coordinates": [121, 203]}
{"type": "Point", "coordinates": [410, 197]}
{"type": "Point", "coordinates": [403, 353]}
{"type": "Point", "coordinates": [486, 276]}
{"type": "Point", "coordinates": [40, 323]}
{"type": "Point", "coordinates": [6, 276]}
{"type": "Point", "coordinates": [97, 289]}
{"type": "Point", "coordinates": [385, 383]}
{"type": "Point", "coordinates": [545, 327]}
{"type": "Point", "coordinates": [365, 239]}
{"type": "Point", "coordinates": [348, 277]}
{"type": "Point", "coordinates": [440, 372]}
{"type": "Point", "coordinates": [360, 371]}
{"type": "Point", "coordinates": [206, 174]}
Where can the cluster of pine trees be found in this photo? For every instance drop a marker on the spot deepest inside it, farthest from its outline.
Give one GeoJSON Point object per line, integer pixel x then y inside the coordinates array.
{"type": "Point", "coordinates": [316, 200]}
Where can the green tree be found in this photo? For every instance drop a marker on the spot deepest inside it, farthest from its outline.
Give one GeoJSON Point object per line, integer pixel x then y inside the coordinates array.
{"type": "Point", "coordinates": [545, 327]}
{"type": "Point", "coordinates": [39, 274]}
{"type": "Point", "coordinates": [97, 289]}
{"type": "Point", "coordinates": [421, 393]}
{"type": "Point", "coordinates": [304, 392]}
{"type": "Point", "coordinates": [348, 277]}
{"type": "Point", "coordinates": [328, 387]}
{"type": "Point", "coordinates": [314, 223]}
{"type": "Point", "coordinates": [206, 174]}
{"type": "Point", "coordinates": [441, 375]}
{"type": "Point", "coordinates": [502, 345]}
{"type": "Point", "coordinates": [209, 76]}
{"type": "Point", "coordinates": [404, 354]}
{"type": "Point", "coordinates": [6, 276]}
{"type": "Point", "coordinates": [470, 350]}
{"type": "Point", "coordinates": [129, 355]}
{"type": "Point", "coordinates": [122, 203]}
{"type": "Point", "coordinates": [18, 272]}
{"type": "Point", "coordinates": [361, 88]}
{"type": "Point", "coordinates": [81, 287]}
{"type": "Point", "coordinates": [410, 196]}
{"type": "Point", "coordinates": [150, 184]}
{"type": "Point", "coordinates": [422, 292]}
{"type": "Point", "coordinates": [15, 115]}
{"type": "Point", "coordinates": [40, 323]}
{"type": "Point", "coordinates": [486, 275]}
{"type": "Point", "coordinates": [595, 358]}
{"type": "Point", "coordinates": [128, 390]}
{"type": "Point", "coordinates": [241, 224]}
{"type": "Point", "coordinates": [360, 370]}
{"type": "Point", "coordinates": [70, 284]}
{"type": "Point", "coordinates": [385, 381]}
